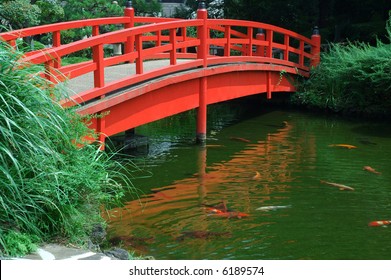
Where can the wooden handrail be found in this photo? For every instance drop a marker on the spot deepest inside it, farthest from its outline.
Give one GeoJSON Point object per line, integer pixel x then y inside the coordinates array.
{"type": "Point", "coordinates": [258, 47]}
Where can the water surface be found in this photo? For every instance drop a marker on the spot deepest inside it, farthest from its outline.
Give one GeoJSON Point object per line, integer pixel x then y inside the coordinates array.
{"type": "Point", "coordinates": [276, 158]}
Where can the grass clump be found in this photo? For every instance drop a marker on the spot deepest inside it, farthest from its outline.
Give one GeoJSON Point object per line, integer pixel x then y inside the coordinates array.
{"type": "Point", "coordinates": [352, 78]}
{"type": "Point", "coordinates": [50, 187]}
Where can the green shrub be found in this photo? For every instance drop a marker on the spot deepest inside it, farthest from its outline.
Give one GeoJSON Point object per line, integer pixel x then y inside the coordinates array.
{"type": "Point", "coordinates": [49, 186]}
{"type": "Point", "coordinates": [352, 78]}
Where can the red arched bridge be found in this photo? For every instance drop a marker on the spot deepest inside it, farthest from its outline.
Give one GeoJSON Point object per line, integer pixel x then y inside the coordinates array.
{"type": "Point", "coordinates": [170, 65]}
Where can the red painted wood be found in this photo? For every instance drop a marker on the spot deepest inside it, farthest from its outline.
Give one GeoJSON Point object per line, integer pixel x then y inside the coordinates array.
{"type": "Point", "coordinates": [219, 78]}
{"type": "Point", "coordinates": [315, 59]}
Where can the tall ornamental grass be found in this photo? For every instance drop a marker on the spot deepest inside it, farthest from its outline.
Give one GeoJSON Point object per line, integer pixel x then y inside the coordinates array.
{"type": "Point", "coordinates": [50, 187]}
{"type": "Point", "coordinates": [353, 78]}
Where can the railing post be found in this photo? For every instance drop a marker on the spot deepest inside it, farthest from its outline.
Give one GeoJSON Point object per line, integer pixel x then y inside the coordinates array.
{"type": "Point", "coordinates": [286, 50]}
{"type": "Point", "coordinates": [97, 57]}
{"type": "Point", "coordinates": [202, 53]}
{"type": "Point", "coordinates": [269, 48]}
{"type": "Point", "coordinates": [56, 43]}
{"type": "Point", "coordinates": [139, 59]}
{"type": "Point", "coordinates": [315, 50]}
{"type": "Point", "coordinates": [250, 32]}
{"type": "Point", "coordinates": [202, 32]}
{"type": "Point", "coordinates": [227, 34]}
{"type": "Point", "coordinates": [260, 36]}
{"type": "Point", "coordinates": [129, 43]}
{"type": "Point", "coordinates": [173, 43]}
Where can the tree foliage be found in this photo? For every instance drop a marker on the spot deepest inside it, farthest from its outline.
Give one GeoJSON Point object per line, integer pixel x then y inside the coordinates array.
{"type": "Point", "coordinates": [17, 14]}
{"type": "Point", "coordinates": [51, 11]}
{"type": "Point", "coordinates": [338, 20]}
{"type": "Point", "coordinates": [76, 9]}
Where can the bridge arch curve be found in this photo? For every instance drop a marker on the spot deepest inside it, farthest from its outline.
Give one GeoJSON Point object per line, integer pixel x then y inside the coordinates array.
{"type": "Point", "coordinates": [176, 93]}
{"type": "Point", "coordinates": [251, 58]}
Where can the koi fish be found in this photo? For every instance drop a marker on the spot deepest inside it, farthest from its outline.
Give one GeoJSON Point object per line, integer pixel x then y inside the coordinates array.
{"type": "Point", "coordinates": [240, 139]}
{"type": "Point", "coordinates": [269, 208]}
{"type": "Point", "coordinates": [370, 169]}
{"type": "Point", "coordinates": [347, 146]}
{"type": "Point", "coordinates": [221, 210]}
{"type": "Point", "coordinates": [232, 214]}
{"type": "Point", "coordinates": [340, 186]}
{"type": "Point", "coordinates": [257, 176]}
{"type": "Point", "coordinates": [220, 207]}
{"type": "Point", "coordinates": [379, 223]}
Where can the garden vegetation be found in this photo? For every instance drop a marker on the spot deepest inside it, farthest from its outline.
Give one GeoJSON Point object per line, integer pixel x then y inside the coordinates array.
{"type": "Point", "coordinates": [352, 78]}
{"type": "Point", "coordinates": [53, 184]}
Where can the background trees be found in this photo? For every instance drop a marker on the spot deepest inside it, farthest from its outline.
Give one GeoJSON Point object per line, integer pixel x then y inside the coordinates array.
{"type": "Point", "coordinates": [362, 20]}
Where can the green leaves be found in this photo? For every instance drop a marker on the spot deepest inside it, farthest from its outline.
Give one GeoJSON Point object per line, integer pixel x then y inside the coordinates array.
{"type": "Point", "coordinates": [353, 78]}
{"type": "Point", "coordinates": [20, 13]}
{"type": "Point", "coordinates": [48, 185]}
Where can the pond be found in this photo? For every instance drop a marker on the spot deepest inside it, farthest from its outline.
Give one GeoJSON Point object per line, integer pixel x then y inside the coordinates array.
{"type": "Point", "coordinates": [286, 159]}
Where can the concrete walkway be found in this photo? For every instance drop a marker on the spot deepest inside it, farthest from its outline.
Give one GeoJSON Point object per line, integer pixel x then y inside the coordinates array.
{"type": "Point", "coordinates": [60, 252]}
{"type": "Point", "coordinates": [112, 73]}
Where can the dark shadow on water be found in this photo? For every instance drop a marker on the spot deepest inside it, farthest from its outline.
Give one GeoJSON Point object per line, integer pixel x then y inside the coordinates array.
{"type": "Point", "coordinates": [373, 130]}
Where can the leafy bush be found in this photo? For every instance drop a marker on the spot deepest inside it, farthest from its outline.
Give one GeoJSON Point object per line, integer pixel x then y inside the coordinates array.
{"type": "Point", "coordinates": [53, 183]}
{"type": "Point", "coordinates": [352, 78]}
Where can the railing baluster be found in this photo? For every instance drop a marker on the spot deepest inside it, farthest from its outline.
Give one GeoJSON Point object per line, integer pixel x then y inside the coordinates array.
{"type": "Point", "coordinates": [261, 37]}
{"type": "Point", "coordinates": [227, 35]}
{"type": "Point", "coordinates": [49, 70]}
{"type": "Point", "coordinates": [56, 43]}
{"type": "Point", "coordinates": [250, 43]}
{"type": "Point", "coordinates": [95, 30]}
{"type": "Point", "coordinates": [269, 48]}
{"type": "Point", "coordinates": [139, 49]}
{"type": "Point", "coordinates": [286, 50]}
{"type": "Point", "coordinates": [159, 38]}
{"type": "Point", "coordinates": [173, 44]}
{"type": "Point", "coordinates": [301, 56]}
{"type": "Point", "coordinates": [184, 38]}
{"type": "Point", "coordinates": [99, 73]}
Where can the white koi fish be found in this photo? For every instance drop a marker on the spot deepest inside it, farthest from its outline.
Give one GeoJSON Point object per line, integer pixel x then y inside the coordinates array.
{"type": "Point", "coordinates": [273, 208]}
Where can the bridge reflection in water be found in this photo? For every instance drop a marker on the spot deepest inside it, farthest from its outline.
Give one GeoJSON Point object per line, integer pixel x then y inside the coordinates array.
{"type": "Point", "coordinates": [261, 167]}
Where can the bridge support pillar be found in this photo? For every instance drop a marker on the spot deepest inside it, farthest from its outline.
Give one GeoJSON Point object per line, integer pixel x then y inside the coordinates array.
{"type": "Point", "coordinates": [202, 53]}
{"type": "Point", "coordinates": [202, 112]}
{"type": "Point", "coordinates": [101, 123]}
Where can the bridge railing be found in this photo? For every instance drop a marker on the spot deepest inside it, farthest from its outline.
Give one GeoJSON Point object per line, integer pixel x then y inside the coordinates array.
{"type": "Point", "coordinates": [173, 39]}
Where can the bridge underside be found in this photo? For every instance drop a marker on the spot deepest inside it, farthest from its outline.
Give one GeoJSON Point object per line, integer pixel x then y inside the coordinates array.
{"type": "Point", "coordinates": [170, 95]}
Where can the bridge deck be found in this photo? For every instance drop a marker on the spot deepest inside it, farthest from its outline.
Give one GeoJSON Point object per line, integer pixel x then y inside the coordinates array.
{"type": "Point", "coordinates": [113, 73]}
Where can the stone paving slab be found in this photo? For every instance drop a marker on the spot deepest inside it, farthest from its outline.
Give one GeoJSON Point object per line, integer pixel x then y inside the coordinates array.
{"type": "Point", "coordinates": [59, 252]}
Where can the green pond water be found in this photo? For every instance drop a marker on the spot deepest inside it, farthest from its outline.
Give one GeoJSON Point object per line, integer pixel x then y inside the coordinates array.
{"type": "Point", "coordinates": [255, 157]}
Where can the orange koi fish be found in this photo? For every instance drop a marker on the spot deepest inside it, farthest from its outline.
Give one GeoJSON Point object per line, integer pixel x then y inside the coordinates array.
{"type": "Point", "coordinates": [233, 214]}
{"type": "Point", "coordinates": [347, 146]}
{"type": "Point", "coordinates": [221, 210]}
{"type": "Point", "coordinates": [379, 223]}
{"type": "Point", "coordinates": [257, 176]}
{"type": "Point", "coordinates": [240, 139]}
{"type": "Point", "coordinates": [370, 169]}
{"type": "Point", "coordinates": [218, 208]}
{"type": "Point", "coordinates": [340, 186]}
